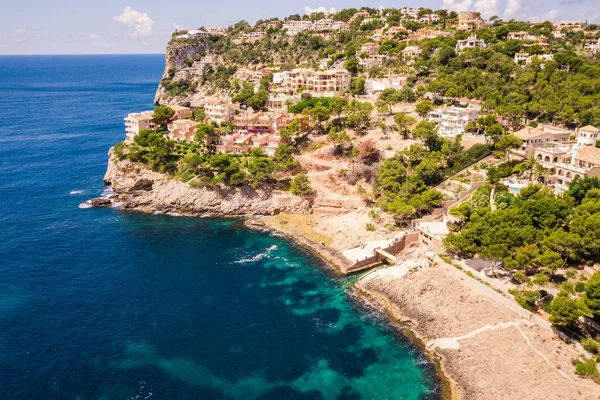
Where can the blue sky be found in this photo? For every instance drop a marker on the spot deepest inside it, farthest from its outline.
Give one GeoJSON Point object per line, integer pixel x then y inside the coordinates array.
{"type": "Point", "coordinates": [124, 26]}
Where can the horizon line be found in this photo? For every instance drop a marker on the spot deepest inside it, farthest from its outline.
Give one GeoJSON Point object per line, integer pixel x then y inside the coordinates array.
{"type": "Point", "coordinates": [81, 54]}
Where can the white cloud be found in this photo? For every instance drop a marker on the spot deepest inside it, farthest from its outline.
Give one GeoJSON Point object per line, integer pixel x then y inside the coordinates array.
{"type": "Point", "coordinates": [457, 5]}
{"type": "Point", "coordinates": [310, 10]}
{"type": "Point", "coordinates": [20, 31]}
{"type": "Point", "coordinates": [552, 15]}
{"type": "Point", "coordinates": [512, 7]}
{"type": "Point", "coordinates": [140, 22]}
{"type": "Point", "coordinates": [94, 36]}
{"type": "Point", "coordinates": [102, 43]}
{"type": "Point", "coordinates": [487, 8]}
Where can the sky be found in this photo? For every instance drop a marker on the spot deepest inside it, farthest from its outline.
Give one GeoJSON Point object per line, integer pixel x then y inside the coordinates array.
{"type": "Point", "coordinates": [132, 27]}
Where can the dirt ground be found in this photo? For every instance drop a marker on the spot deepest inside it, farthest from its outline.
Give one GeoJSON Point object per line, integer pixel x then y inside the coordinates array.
{"type": "Point", "coordinates": [488, 350]}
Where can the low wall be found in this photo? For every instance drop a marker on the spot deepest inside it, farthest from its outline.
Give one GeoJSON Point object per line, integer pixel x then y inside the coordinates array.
{"type": "Point", "coordinates": [394, 249]}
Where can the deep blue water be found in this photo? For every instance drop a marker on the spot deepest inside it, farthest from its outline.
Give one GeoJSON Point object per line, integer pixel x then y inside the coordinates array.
{"type": "Point", "coordinates": [106, 304]}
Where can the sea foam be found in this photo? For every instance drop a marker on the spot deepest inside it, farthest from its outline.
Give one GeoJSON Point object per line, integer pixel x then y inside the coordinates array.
{"type": "Point", "coordinates": [257, 257]}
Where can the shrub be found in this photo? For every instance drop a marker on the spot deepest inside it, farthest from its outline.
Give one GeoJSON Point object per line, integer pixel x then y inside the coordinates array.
{"type": "Point", "coordinates": [369, 227]}
{"type": "Point", "coordinates": [591, 345]}
{"type": "Point", "coordinates": [119, 150]}
{"type": "Point", "coordinates": [300, 185]}
{"type": "Point", "coordinates": [588, 368]}
{"type": "Point", "coordinates": [445, 259]}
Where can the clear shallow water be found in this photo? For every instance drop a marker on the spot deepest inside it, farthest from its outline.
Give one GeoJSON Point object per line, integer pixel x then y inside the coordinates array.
{"type": "Point", "coordinates": [104, 304]}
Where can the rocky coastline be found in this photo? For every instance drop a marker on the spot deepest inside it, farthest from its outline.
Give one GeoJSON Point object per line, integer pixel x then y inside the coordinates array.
{"type": "Point", "coordinates": [138, 188]}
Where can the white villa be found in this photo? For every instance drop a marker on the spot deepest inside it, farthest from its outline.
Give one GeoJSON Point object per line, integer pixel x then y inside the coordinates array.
{"type": "Point", "coordinates": [567, 161]}
{"type": "Point", "coordinates": [522, 35]}
{"type": "Point", "coordinates": [194, 34]}
{"type": "Point", "coordinates": [374, 86]}
{"type": "Point", "coordinates": [470, 43]}
{"type": "Point", "coordinates": [330, 83]}
{"type": "Point", "coordinates": [453, 120]}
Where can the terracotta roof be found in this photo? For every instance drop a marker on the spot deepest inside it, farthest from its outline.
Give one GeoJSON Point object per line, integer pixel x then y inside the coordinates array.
{"type": "Point", "coordinates": [589, 128]}
{"type": "Point", "coordinates": [589, 154]}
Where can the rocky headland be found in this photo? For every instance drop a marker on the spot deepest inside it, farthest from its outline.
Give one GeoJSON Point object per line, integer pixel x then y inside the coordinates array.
{"type": "Point", "coordinates": [142, 189]}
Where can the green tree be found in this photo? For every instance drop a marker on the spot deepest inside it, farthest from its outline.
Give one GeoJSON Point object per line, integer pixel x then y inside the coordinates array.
{"type": "Point", "coordinates": [424, 107]}
{"type": "Point", "coordinates": [300, 185]}
{"type": "Point", "coordinates": [162, 115]}
{"type": "Point", "coordinates": [494, 132]}
{"type": "Point", "coordinates": [564, 311]}
{"type": "Point", "coordinates": [592, 294]}
{"type": "Point", "coordinates": [351, 64]}
{"type": "Point", "coordinates": [506, 143]}
{"type": "Point", "coordinates": [403, 123]}
{"type": "Point", "coordinates": [427, 131]}
{"type": "Point", "coordinates": [358, 116]}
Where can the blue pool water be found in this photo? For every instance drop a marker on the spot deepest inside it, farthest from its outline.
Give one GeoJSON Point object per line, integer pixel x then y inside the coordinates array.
{"type": "Point", "coordinates": [106, 304]}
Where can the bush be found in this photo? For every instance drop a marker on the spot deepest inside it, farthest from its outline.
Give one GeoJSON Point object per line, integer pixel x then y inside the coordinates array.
{"type": "Point", "coordinates": [591, 345]}
{"type": "Point", "coordinates": [300, 185]}
{"type": "Point", "coordinates": [445, 259]}
{"type": "Point", "coordinates": [588, 368]}
{"type": "Point", "coordinates": [369, 227]}
{"type": "Point", "coordinates": [119, 150]}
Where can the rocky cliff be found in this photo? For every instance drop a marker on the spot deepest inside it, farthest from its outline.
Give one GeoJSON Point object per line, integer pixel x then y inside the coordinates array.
{"type": "Point", "coordinates": [176, 54]}
{"type": "Point", "coordinates": [140, 188]}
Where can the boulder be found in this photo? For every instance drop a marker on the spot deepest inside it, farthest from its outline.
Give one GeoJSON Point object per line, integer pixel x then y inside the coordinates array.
{"type": "Point", "coordinates": [100, 202]}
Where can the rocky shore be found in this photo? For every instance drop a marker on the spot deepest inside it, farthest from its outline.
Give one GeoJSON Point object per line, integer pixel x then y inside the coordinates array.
{"type": "Point", "coordinates": [142, 189]}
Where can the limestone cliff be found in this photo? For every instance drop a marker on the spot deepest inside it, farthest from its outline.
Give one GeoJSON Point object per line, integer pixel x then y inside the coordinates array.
{"type": "Point", "coordinates": [176, 54]}
{"type": "Point", "coordinates": [140, 188]}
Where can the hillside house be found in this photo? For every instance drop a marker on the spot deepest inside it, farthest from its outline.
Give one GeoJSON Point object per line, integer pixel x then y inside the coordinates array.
{"type": "Point", "coordinates": [182, 130]}
{"type": "Point", "coordinates": [568, 161]}
{"type": "Point", "coordinates": [521, 35]}
{"type": "Point", "coordinates": [135, 122]}
{"type": "Point", "coordinates": [470, 43]}
{"type": "Point", "coordinates": [218, 110]}
{"type": "Point", "coordinates": [539, 136]}
{"type": "Point", "coordinates": [453, 120]}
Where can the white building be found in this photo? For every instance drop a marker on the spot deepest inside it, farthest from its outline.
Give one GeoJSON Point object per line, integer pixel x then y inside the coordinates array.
{"type": "Point", "coordinates": [568, 161]}
{"type": "Point", "coordinates": [295, 27]}
{"type": "Point", "coordinates": [280, 101]}
{"type": "Point", "coordinates": [330, 83]}
{"type": "Point", "coordinates": [522, 35]}
{"type": "Point", "coordinates": [411, 12]}
{"type": "Point", "coordinates": [217, 30]}
{"type": "Point", "coordinates": [470, 43]}
{"type": "Point", "coordinates": [521, 57]}
{"type": "Point", "coordinates": [571, 25]}
{"type": "Point", "coordinates": [593, 45]}
{"type": "Point", "coordinates": [324, 24]}
{"type": "Point", "coordinates": [453, 120]}
{"type": "Point", "coordinates": [374, 86]}
{"type": "Point", "coordinates": [253, 35]}
{"type": "Point", "coordinates": [194, 34]}
{"type": "Point", "coordinates": [135, 122]}
{"type": "Point", "coordinates": [218, 110]}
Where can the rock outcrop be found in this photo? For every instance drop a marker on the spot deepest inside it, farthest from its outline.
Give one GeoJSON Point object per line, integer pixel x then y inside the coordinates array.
{"type": "Point", "coordinates": [176, 54]}
{"type": "Point", "coordinates": [140, 188]}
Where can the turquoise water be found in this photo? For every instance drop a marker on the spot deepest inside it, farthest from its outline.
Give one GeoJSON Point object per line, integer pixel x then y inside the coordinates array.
{"type": "Point", "coordinates": [106, 304]}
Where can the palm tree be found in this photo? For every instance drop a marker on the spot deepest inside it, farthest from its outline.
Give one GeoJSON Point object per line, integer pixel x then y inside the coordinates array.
{"type": "Point", "coordinates": [540, 171]}
{"type": "Point", "coordinates": [530, 164]}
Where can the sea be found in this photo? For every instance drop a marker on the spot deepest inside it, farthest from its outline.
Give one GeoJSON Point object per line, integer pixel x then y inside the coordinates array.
{"type": "Point", "coordinates": [112, 304]}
